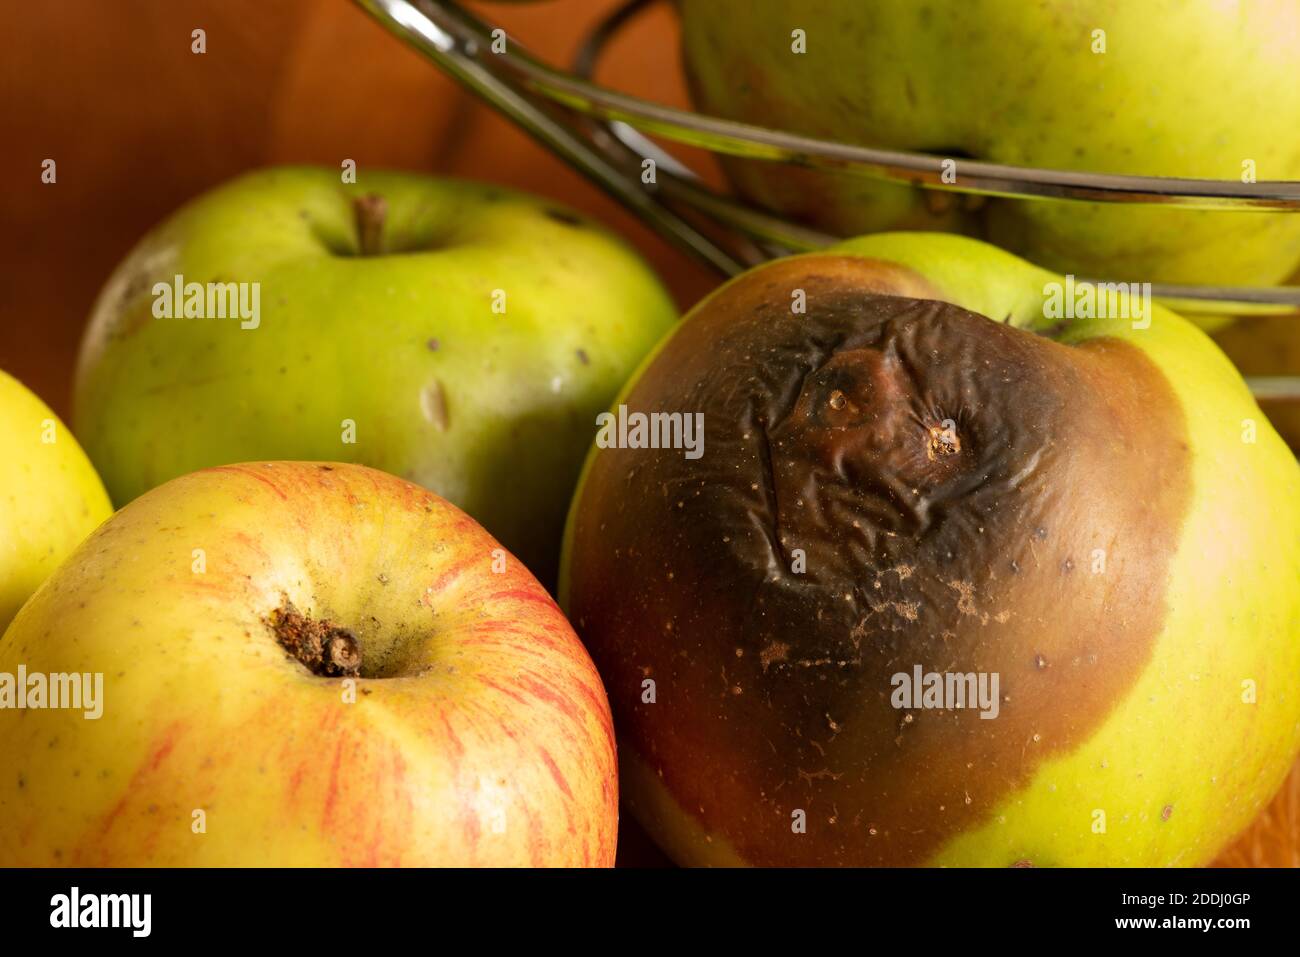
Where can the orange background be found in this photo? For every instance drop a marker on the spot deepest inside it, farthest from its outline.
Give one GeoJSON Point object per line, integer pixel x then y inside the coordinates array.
{"type": "Point", "coordinates": [138, 124]}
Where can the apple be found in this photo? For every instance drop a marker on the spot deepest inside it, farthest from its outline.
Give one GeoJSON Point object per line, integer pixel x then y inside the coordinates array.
{"type": "Point", "coordinates": [1162, 87]}
{"type": "Point", "coordinates": [50, 496]}
{"type": "Point", "coordinates": [958, 579]}
{"type": "Point", "coordinates": [459, 335]}
{"type": "Point", "coordinates": [1271, 840]}
{"type": "Point", "coordinates": [302, 664]}
{"type": "Point", "coordinates": [1268, 346]}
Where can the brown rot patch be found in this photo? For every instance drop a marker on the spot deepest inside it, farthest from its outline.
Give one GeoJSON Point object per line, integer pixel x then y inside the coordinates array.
{"type": "Point", "coordinates": [324, 648]}
{"type": "Point", "coordinates": [882, 430]}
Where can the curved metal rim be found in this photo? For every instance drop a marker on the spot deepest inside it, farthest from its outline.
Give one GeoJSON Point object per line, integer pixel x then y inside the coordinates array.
{"type": "Point", "coordinates": [600, 147]}
{"type": "Point", "coordinates": [973, 176]}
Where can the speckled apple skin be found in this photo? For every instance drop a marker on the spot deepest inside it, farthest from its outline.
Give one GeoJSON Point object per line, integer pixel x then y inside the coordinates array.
{"type": "Point", "coordinates": [472, 359]}
{"type": "Point", "coordinates": [478, 733]}
{"type": "Point", "coordinates": [1191, 88]}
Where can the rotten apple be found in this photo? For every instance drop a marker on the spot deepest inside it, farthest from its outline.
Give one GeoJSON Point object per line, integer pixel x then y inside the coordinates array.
{"type": "Point", "coordinates": [915, 467]}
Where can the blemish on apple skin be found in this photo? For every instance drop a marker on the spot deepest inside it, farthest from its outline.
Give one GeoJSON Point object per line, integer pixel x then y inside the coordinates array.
{"type": "Point", "coordinates": [433, 403]}
{"type": "Point", "coordinates": [562, 216]}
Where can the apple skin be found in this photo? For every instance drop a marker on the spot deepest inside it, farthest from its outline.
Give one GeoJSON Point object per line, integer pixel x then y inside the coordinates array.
{"type": "Point", "coordinates": [480, 733]}
{"type": "Point", "coordinates": [1184, 89]}
{"type": "Point", "coordinates": [50, 496]}
{"type": "Point", "coordinates": [1122, 690]}
{"type": "Point", "coordinates": [492, 411]}
{"type": "Point", "coordinates": [1268, 346]}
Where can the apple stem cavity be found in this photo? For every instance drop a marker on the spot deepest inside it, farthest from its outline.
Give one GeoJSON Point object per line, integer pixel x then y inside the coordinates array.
{"type": "Point", "coordinates": [371, 211]}
{"type": "Point", "coordinates": [325, 649]}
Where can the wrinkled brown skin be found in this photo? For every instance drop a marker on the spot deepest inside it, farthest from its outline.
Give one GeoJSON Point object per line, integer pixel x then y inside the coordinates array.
{"type": "Point", "coordinates": [773, 688]}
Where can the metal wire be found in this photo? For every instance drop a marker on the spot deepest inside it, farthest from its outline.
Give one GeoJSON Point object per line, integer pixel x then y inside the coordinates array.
{"type": "Point", "coordinates": [602, 133]}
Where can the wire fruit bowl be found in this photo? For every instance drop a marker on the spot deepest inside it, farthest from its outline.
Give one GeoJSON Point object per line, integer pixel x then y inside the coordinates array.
{"type": "Point", "coordinates": [605, 135]}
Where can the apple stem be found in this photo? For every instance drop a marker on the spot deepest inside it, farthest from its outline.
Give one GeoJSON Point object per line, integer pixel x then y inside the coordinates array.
{"type": "Point", "coordinates": [371, 211]}
{"type": "Point", "coordinates": [324, 648]}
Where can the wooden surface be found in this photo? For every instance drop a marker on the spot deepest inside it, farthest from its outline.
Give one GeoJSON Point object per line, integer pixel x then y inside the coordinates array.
{"type": "Point", "coordinates": [138, 124]}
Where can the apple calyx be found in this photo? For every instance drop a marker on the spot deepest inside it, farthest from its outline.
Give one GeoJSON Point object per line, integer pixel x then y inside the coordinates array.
{"type": "Point", "coordinates": [325, 649]}
{"type": "Point", "coordinates": [371, 211]}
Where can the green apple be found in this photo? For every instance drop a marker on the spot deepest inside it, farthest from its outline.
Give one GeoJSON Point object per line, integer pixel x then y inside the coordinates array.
{"type": "Point", "coordinates": [968, 573]}
{"type": "Point", "coordinates": [1195, 88]}
{"type": "Point", "coordinates": [50, 496]}
{"type": "Point", "coordinates": [458, 335]}
{"type": "Point", "coordinates": [301, 664]}
{"type": "Point", "coordinates": [1268, 346]}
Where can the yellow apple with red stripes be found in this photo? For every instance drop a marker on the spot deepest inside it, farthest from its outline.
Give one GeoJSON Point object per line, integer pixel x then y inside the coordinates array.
{"type": "Point", "coordinates": [303, 664]}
